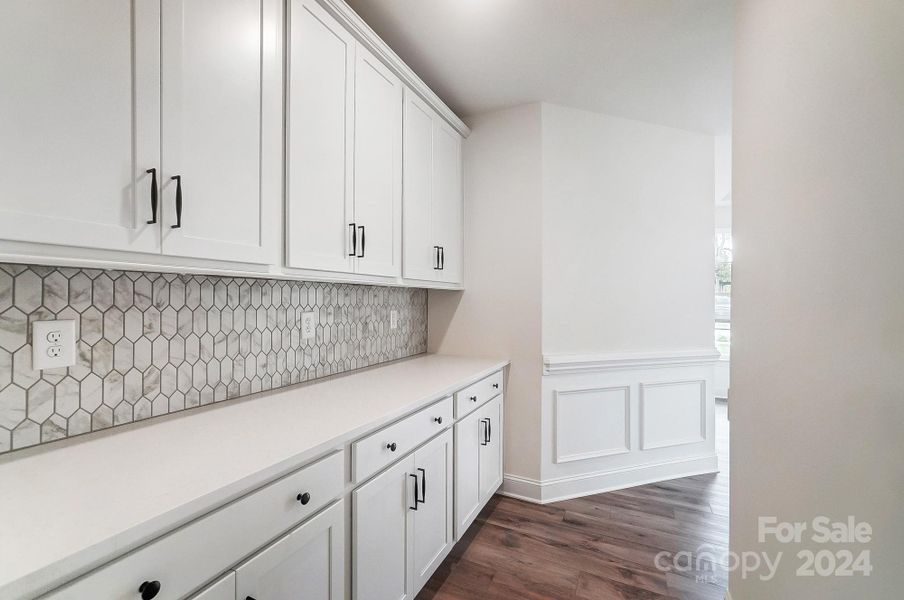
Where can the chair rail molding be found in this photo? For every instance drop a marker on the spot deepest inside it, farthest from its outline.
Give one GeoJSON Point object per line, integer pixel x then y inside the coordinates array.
{"type": "Point", "coordinates": [566, 364]}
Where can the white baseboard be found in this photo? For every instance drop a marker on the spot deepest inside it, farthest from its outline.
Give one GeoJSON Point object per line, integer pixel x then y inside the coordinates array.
{"type": "Point", "coordinates": [564, 488]}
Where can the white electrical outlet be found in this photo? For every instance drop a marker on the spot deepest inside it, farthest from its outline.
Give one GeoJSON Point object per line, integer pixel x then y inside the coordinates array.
{"type": "Point", "coordinates": [52, 344]}
{"type": "Point", "coordinates": [308, 325]}
{"type": "Point", "coordinates": [393, 319]}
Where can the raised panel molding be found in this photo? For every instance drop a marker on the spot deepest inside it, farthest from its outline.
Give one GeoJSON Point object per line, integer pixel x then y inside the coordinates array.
{"type": "Point", "coordinates": [560, 364]}
{"type": "Point", "coordinates": [669, 406]}
{"type": "Point", "coordinates": [583, 429]}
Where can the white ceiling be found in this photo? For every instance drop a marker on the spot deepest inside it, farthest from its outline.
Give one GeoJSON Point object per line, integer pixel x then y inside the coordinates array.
{"type": "Point", "coordinates": [662, 61]}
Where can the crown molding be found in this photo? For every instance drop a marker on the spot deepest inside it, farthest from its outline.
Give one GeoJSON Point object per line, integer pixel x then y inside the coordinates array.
{"type": "Point", "coordinates": [367, 36]}
{"type": "Point", "coordinates": [558, 364]}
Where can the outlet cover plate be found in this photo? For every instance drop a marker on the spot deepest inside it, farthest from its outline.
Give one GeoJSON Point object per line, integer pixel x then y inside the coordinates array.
{"type": "Point", "coordinates": [393, 319]}
{"type": "Point", "coordinates": [52, 344]}
{"type": "Point", "coordinates": [308, 325]}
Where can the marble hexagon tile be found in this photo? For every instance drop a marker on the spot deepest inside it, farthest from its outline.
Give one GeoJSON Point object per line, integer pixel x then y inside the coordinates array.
{"type": "Point", "coordinates": [153, 343]}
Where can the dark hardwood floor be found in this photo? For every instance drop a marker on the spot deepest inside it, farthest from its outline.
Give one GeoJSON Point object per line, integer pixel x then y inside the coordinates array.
{"type": "Point", "coordinates": [597, 547]}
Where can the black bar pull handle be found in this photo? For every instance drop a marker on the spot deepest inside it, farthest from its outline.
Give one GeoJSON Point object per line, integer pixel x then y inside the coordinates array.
{"type": "Point", "coordinates": [423, 499]}
{"type": "Point", "coordinates": [153, 173]}
{"type": "Point", "coordinates": [442, 258]}
{"type": "Point", "coordinates": [489, 430]}
{"type": "Point", "coordinates": [436, 258]}
{"type": "Point", "coordinates": [485, 432]}
{"type": "Point", "coordinates": [416, 493]}
{"type": "Point", "coordinates": [178, 179]}
{"type": "Point", "coordinates": [354, 240]}
{"type": "Point", "coordinates": [363, 241]}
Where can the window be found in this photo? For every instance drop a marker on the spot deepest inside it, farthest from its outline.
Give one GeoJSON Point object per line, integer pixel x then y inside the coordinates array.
{"type": "Point", "coordinates": [723, 249]}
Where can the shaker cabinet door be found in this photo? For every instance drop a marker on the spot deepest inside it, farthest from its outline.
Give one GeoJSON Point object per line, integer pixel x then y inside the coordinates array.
{"type": "Point", "coordinates": [319, 141]}
{"type": "Point", "coordinates": [381, 534]}
{"type": "Point", "coordinates": [490, 448]}
{"type": "Point", "coordinates": [432, 527]}
{"type": "Point", "coordinates": [420, 248]}
{"type": "Point", "coordinates": [306, 563]}
{"type": "Point", "coordinates": [447, 200]}
{"type": "Point", "coordinates": [79, 122]}
{"type": "Point", "coordinates": [222, 128]}
{"type": "Point", "coordinates": [378, 167]}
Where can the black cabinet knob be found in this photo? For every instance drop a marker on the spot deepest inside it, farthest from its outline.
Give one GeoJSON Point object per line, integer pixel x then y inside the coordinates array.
{"type": "Point", "coordinates": [473, 398]}
{"type": "Point", "coordinates": [438, 420]}
{"type": "Point", "coordinates": [392, 447]}
{"type": "Point", "coordinates": [149, 589]}
{"type": "Point", "coordinates": [495, 386]}
{"type": "Point", "coordinates": [303, 498]}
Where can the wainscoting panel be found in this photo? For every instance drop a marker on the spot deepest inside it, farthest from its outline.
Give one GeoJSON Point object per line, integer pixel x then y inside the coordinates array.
{"type": "Point", "coordinates": [672, 413]}
{"type": "Point", "coordinates": [615, 421]}
{"type": "Point", "coordinates": [592, 423]}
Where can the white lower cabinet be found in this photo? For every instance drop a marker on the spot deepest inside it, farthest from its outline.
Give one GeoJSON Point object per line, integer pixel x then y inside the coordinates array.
{"type": "Point", "coordinates": [432, 531]}
{"type": "Point", "coordinates": [490, 448]}
{"type": "Point", "coordinates": [404, 519]}
{"type": "Point", "coordinates": [221, 589]}
{"type": "Point", "coordinates": [478, 462]}
{"type": "Point", "coordinates": [403, 524]}
{"type": "Point", "coordinates": [306, 563]}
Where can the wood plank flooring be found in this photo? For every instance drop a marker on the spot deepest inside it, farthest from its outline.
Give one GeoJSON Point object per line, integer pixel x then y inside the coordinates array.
{"type": "Point", "coordinates": [595, 548]}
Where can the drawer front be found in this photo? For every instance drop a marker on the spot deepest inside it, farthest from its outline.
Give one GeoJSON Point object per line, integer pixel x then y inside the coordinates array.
{"type": "Point", "coordinates": [476, 394]}
{"type": "Point", "coordinates": [223, 589]}
{"type": "Point", "coordinates": [372, 453]}
{"type": "Point", "coordinates": [181, 561]}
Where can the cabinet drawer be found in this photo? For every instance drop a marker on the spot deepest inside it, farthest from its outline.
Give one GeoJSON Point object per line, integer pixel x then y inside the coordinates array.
{"type": "Point", "coordinates": [382, 448]}
{"type": "Point", "coordinates": [476, 394]}
{"type": "Point", "coordinates": [183, 560]}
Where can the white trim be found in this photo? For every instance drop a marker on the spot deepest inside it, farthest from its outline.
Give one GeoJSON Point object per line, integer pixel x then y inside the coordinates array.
{"type": "Point", "coordinates": [644, 437]}
{"type": "Point", "coordinates": [361, 30]}
{"type": "Point", "coordinates": [557, 364]}
{"type": "Point", "coordinates": [557, 434]}
{"type": "Point", "coordinates": [575, 486]}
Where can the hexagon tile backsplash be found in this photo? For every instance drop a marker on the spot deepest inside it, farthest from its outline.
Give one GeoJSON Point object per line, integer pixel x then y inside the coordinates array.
{"type": "Point", "coordinates": [154, 343]}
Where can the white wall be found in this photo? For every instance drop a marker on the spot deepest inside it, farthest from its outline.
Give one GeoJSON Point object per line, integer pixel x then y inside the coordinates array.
{"type": "Point", "coordinates": [499, 314]}
{"type": "Point", "coordinates": [817, 407]}
{"type": "Point", "coordinates": [627, 235]}
{"type": "Point", "coordinates": [589, 235]}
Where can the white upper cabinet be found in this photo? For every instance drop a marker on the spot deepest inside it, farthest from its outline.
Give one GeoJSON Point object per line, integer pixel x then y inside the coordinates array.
{"type": "Point", "coordinates": [79, 122]}
{"type": "Point", "coordinates": [420, 247]}
{"type": "Point", "coordinates": [447, 200]}
{"type": "Point", "coordinates": [432, 233]}
{"type": "Point", "coordinates": [378, 167]}
{"type": "Point", "coordinates": [216, 130]}
{"type": "Point", "coordinates": [344, 147]}
{"type": "Point", "coordinates": [222, 129]}
{"type": "Point", "coordinates": [319, 140]}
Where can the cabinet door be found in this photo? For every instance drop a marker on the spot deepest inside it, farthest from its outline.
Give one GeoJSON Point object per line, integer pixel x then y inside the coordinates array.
{"type": "Point", "coordinates": [432, 521]}
{"type": "Point", "coordinates": [79, 122]}
{"type": "Point", "coordinates": [378, 166]}
{"type": "Point", "coordinates": [222, 128]}
{"type": "Point", "coordinates": [447, 200]}
{"type": "Point", "coordinates": [382, 534]}
{"type": "Point", "coordinates": [490, 448]}
{"type": "Point", "coordinates": [468, 433]}
{"type": "Point", "coordinates": [420, 253]}
{"type": "Point", "coordinates": [308, 563]}
{"type": "Point", "coordinates": [319, 142]}
{"type": "Point", "coordinates": [222, 589]}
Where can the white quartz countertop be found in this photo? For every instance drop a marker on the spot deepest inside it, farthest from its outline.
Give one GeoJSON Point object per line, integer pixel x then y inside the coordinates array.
{"type": "Point", "coordinates": [69, 507]}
